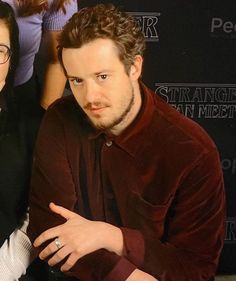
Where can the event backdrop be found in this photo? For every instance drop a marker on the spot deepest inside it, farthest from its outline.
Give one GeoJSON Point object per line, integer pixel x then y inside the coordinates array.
{"type": "Point", "coordinates": [191, 62]}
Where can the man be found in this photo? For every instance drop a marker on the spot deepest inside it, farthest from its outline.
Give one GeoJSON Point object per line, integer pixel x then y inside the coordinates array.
{"type": "Point", "coordinates": [139, 186]}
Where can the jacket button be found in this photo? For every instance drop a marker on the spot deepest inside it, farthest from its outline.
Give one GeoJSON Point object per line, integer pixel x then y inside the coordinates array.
{"type": "Point", "coordinates": [109, 143]}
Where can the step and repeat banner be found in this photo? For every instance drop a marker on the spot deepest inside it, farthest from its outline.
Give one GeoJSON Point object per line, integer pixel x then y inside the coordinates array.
{"type": "Point", "coordinates": [191, 62]}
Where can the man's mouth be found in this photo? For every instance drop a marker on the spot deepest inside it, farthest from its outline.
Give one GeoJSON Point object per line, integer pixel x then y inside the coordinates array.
{"type": "Point", "coordinates": [95, 108]}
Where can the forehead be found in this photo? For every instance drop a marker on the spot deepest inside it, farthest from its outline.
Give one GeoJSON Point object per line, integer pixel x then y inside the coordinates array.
{"type": "Point", "coordinates": [95, 56]}
{"type": "Point", "coordinates": [4, 33]}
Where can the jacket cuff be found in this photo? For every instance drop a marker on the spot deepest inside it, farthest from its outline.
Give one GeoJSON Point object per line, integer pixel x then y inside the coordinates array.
{"type": "Point", "coordinates": [121, 271]}
{"type": "Point", "coordinates": [134, 246]}
{"type": "Point", "coordinates": [95, 266]}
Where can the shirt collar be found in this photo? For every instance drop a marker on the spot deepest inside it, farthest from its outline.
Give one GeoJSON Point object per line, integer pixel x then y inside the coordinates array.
{"type": "Point", "coordinates": [135, 135]}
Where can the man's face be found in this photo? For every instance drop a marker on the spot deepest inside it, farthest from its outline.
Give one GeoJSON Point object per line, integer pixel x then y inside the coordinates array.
{"type": "Point", "coordinates": [5, 40]}
{"type": "Point", "coordinates": [108, 95]}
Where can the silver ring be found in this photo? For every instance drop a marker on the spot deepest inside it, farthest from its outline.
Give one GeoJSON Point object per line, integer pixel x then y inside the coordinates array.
{"type": "Point", "coordinates": [58, 243]}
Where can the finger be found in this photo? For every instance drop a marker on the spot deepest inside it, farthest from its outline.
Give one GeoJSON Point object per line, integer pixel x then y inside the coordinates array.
{"type": "Point", "coordinates": [65, 213]}
{"type": "Point", "coordinates": [59, 255]}
{"type": "Point", "coordinates": [70, 262]}
{"type": "Point", "coordinates": [49, 250]}
{"type": "Point", "coordinates": [46, 235]}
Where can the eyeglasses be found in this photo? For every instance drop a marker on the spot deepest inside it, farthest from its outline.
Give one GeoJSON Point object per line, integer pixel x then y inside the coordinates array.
{"type": "Point", "coordinates": [5, 53]}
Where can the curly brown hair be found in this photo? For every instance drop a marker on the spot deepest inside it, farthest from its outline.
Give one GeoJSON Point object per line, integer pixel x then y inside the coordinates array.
{"type": "Point", "coordinates": [107, 22]}
{"type": "Point", "coordinates": [31, 7]}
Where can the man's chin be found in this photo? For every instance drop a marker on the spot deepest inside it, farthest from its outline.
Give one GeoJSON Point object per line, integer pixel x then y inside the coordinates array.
{"type": "Point", "coordinates": [101, 126]}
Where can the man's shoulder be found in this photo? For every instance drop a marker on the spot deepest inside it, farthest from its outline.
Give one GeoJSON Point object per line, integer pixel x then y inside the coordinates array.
{"type": "Point", "coordinates": [65, 107]}
{"type": "Point", "coordinates": [178, 128]}
{"type": "Point", "coordinates": [68, 101]}
{"type": "Point", "coordinates": [67, 114]}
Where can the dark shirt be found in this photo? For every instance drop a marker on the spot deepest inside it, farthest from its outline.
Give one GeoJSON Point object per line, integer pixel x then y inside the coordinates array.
{"type": "Point", "coordinates": [160, 181]}
{"type": "Point", "coordinates": [17, 136]}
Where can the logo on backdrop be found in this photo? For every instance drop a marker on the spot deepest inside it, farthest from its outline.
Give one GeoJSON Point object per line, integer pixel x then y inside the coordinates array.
{"type": "Point", "coordinates": [222, 27]}
{"type": "Point", "coordinates": [229, 165]}
{"type": "Point", "coordinates": [230, 231]}
{"type": "Point", "coordinates": [205, 101]}
{"type": "Point", "coordinates": [148, 22]}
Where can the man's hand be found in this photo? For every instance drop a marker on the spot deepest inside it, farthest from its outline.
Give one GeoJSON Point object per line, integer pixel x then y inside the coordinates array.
{"type": "Point", "coordinates": [77, 237]}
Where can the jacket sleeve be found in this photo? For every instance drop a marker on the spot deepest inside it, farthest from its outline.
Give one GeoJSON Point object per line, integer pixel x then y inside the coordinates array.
{"type": "Point", "coordinates": [51, 179]}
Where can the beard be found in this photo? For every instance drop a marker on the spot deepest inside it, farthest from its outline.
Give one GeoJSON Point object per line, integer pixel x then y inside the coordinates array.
{"type": "Point", "coordinates": [106, 126]}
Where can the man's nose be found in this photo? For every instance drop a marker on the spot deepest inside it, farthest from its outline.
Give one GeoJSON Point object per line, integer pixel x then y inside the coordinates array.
{"type": "Point", "coordinates": [92, 92]}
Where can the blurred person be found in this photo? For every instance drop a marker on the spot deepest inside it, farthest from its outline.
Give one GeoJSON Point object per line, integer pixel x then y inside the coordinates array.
{"type": "Point", "coordinates": [137, 187]}
{"type": "Point", "coordinates": [40, 22]}
{"type": "Point", "coordinates": [17, 136]}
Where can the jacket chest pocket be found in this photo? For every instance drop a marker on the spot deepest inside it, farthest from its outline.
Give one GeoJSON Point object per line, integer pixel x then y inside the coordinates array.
{"type": "Point", "coordinates": [148, 218]}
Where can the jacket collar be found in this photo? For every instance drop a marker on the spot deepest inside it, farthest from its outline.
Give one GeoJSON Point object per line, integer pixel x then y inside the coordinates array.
{"type": "Point", "coordinates": [136, 133]}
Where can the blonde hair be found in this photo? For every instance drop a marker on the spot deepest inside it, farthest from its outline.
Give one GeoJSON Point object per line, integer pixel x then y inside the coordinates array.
{"type": "Point", "coordinates": [31, 7]}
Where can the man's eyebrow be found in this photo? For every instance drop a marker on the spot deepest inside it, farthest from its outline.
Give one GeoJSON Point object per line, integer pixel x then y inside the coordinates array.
{"type": "Point", "coordinates": [72, 77]}
{"type": "Point", "coordinates": [95, 73]}
{"type": "Point", "coordinates": [104, 71]}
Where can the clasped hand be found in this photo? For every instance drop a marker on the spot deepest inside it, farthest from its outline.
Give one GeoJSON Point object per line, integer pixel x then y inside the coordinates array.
{"type": "Point", "coordinates": [78, 237]}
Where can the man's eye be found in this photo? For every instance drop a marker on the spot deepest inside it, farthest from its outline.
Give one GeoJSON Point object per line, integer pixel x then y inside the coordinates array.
{"type": "Point", "coordinates": [76, 81]}
{"type": "Point", "coordinates": [102, 77]}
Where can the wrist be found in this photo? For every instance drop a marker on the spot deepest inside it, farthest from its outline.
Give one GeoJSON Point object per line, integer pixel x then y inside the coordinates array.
{"type": "Point", "coordinates": [112, 239]}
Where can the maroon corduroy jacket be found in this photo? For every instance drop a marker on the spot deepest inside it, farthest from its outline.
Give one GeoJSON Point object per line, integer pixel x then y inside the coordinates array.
{"type": "Point", "coordinates": [160, 181]}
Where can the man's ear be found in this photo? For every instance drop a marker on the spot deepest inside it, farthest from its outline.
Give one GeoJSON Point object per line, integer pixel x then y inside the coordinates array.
{"type": "Point", "coordinates": [136, 68]}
